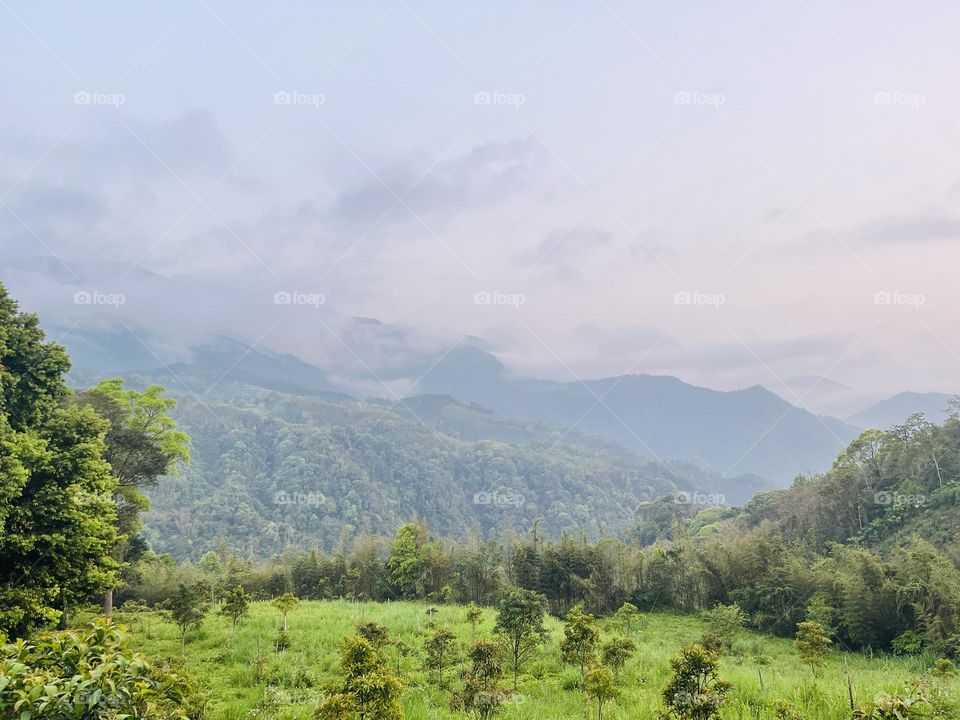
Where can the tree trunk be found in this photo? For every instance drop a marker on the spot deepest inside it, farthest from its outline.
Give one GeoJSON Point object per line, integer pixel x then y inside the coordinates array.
{"type": "Point", "coordinates": [108, 602]}
{"type": "Point", "coordinates": [514, 673]}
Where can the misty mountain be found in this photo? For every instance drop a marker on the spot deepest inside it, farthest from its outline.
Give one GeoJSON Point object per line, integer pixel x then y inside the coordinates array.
{"type": "Point", "coordinates": [744, 431]}
{"type": "Point", "coordinates": [894, 410]}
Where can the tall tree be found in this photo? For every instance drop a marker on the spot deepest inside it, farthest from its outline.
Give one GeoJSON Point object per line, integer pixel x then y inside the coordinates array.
{"type": "Point", "coordinates": [520, 622]}
{"type": "Point", "coordinates": [57, 516]}
{"type": "Point", "coordinates": [143, 443]}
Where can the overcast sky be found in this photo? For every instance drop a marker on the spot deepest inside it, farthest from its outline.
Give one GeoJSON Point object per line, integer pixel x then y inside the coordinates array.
{"type": "Point", "coordinates": [733, 193]}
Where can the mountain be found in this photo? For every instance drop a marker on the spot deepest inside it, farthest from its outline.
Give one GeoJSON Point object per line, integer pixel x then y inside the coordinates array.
{"type": "Point", "coordinates": [894, 410]}
{"type": "Point", "coordinates": [745, 431]}
{"type": "Point", "coordinates": [270, 471]}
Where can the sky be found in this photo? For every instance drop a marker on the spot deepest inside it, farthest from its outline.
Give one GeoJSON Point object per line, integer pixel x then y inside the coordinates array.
{"type": "Point", "coordinates": [733, 193]}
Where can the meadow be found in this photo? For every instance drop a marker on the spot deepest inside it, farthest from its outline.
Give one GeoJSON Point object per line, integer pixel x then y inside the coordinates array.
{"type": "Point", "coordinates": [248, 678]}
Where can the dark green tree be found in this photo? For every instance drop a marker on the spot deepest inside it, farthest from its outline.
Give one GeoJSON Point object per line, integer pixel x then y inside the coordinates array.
{"type": "Point", "coordinates": [580, 637]}
{"type": "Point", "coordinates": [236, 604]}
{"type": "Point", "coordinates": [615, 652]}
{"type": "Point", "coordinates": [481, 693]}
{"type": "Point", "coordinates": [695, 691]}
{"type": "Point", "coordinates": [187, 609]}
{"type": "Point", "coordinates": [520, 623]}
{"type": "Point", "coordinates": [368, 691]}
{"type": "Point", "coordinates": [439, 646]}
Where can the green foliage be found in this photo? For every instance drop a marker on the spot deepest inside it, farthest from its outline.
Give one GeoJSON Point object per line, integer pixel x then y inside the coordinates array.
{"type": "Point", "coordinates": [439, 646]}
{"type": "Point", "coordinates": [628, 617]}
{"type": "Point", "coordinates": [90, 674]}
{"type": "Point", "coordinates": [407, 561]}
{"type": "Point", "coordinates": [481, 693]}
{"type": "Point", "coordinates": [907, 705]}
{"type": "Point", "coordinates": [286, 603]}
{"type": "Point", "coordinates": [57, 517]}
{"type": "Point", "coordinates": [580, 637]}
{"type": "Point", "coordinates": [187, 609]}
{"type": "Point", "coordinates": [368, 689]}
{"type": "Point", "coordinates": [474, 616]}
{"type": "Point", "coordinates": [520, 623]}
{"type": "Point", "coordinates": [615, 652]}
{"type": "Point", "coordinates": [236, 604]}
{"type": "Point", "coordinates": [373, 632]}
{"type": "Point", "coordinates": [695, 691]}
{"type": "Point", "coordinates": [598, 686]}
{"type": "Point", "coordinates": [723, 623]}
{"type": "Point", "coordinates": [812, 644]}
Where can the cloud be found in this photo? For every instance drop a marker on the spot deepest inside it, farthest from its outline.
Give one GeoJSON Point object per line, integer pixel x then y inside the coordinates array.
{"type": "Point", "coordinates": [916, 228]}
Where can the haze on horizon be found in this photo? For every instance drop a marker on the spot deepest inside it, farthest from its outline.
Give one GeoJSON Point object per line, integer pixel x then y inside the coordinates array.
{"type": "Point", "coordinates": [744, 194]}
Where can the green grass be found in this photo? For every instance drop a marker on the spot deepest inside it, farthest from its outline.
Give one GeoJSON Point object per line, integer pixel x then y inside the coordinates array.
{"type": "Point", "coordinates": [293, 679]}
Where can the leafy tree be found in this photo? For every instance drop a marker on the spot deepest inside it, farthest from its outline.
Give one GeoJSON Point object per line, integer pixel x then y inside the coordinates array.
{"type": "Point", "coordinates": [57, 516]}
{"type": "Point", "coordinates": [628, 617]}
{"type": "Point", "coordinates": [439, 646]}
{"type": "Point", "coordinates": [481, 693]}
{"type": "Point", "coordinates": [615, 652]}
{"type": "Point", "coordinates": [90, 673]}
{"type": "Point", "coordinates": [187, 609]}
{"type": "Point", "coordinates": [285, 604]}
{"type": "Point", "coordinates": [695, 691]}
{"type": "Point", "coordinates": [407, 559]}
{"type": "Point", "coordinates": [373, 632]}
{"type": "Point", "coordinates": [142, 444]}
{"type": "Point", "coordinates": [723, 623]}
{"type": "Point", "coordinates": [368, 691]}
{"type": "Point", "coordinates": [520, 622]}
{"type": "Point", "coordinates": [236, 604]}
{"type": "Point", "coordinates": [813, 644]}
{"type": "Point", "coordinates": [580, 637]}
{"type": "Point", "coordinates": [598, 686]}
{"type": "Point", "coordinates": [474, 616]}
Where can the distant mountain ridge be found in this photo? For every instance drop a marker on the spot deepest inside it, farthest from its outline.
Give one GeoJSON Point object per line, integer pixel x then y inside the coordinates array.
{"type": "Point", "coordinates": [894, 410]}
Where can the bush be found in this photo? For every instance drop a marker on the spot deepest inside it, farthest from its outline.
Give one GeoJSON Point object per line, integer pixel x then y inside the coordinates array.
{"type": "Point", "coordinates": [91, 673]}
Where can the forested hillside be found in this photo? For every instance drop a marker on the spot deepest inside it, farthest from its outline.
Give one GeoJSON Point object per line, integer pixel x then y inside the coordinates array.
{"type": "Point", "coordinates": [270, 472]}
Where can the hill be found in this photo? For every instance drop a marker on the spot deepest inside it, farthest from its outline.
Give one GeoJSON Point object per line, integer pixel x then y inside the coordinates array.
{"type": "Point", "coordinates": [895, 410]}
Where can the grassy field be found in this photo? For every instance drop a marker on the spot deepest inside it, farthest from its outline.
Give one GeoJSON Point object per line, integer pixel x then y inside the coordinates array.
{"type": "Point", "coordinates": [292, 680]}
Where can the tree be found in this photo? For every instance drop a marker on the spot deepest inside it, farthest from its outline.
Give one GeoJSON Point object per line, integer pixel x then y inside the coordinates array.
{"type": "Point", "coordinates": [407, 560]}
{"type": "Point", "coordinates": [615, 652]}
{"type": "Point", "coordinates": [57, 516]}
{"type": "Point", "coordinates": [695, 691]}
{"type": "Point", "coordinates": [236, 604]}
{"type": "Point", "coordinates": [90, 673]}
{"type": "Point", "coordinates": [474, 616]}
{"type": "Point", "coordinates": [520, 622]}
{"type": "Point", "coordinates": [285, 604]}
{"type": "Point", "coordinates": [723, 623]}
{"type": "Point", "coordinates": [481, 693]}
{"type": "Point", "coordinates": [142, 444]}
{"type": "Point", "coordinates": [187, 609]}
{"type": "Point", "coordinates": [598, 686]}
{"type": "Point", "coordinates": [813, 644]}
{"type": "Point", "coordinates": [627, 617]}
{"type": "Point", "coordinates": [439, 646]}
{"type": "Point", "coordinates": [373, 632]}
{"type": "Point", "coordinates": [580, 636]}
{"type": "Point", "coordinates": [369, 691]}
